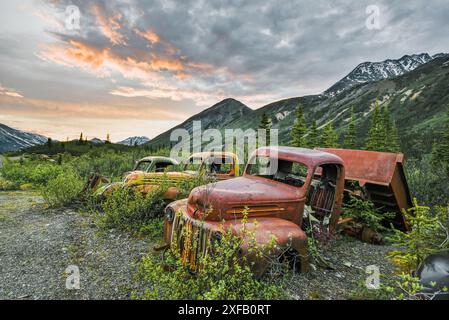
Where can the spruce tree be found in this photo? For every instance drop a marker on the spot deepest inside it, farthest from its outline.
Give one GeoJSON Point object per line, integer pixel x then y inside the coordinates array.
{"type": "Point", "coordinates": [393, 138]}
{"type": "Point", "coordinates": [350, 140]}
{"type": "Point", "coordinates": [265, 124]}
{"type": "Point", "coordinates": [329, 137]}
{"type": "Point", "coordinates": [299, 129]}
{"type": "Point", "coordinates": [108, 139]}
{"type": "Point", "coordinates": [440, 148]}
{"type": "Point", "coordinates": [49, 143]}
{"type": "Point", "coordinates": [391, 132]}
{"type": "Point", "coordinates": [313, 138]}
{"type": "Point", "coordinates": [376, 140]}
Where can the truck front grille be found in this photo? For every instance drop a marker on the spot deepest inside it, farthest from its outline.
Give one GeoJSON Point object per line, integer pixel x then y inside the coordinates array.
{"type": "Point", "coordinates": [191, 239]}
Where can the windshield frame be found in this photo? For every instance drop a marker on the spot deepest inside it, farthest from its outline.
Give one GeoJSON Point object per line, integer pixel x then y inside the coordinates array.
{"type": "Point", "coordinates": [308, 177]}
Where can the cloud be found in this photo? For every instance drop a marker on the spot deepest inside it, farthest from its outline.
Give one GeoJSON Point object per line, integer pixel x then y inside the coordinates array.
{"type": "Point", "coordinates": [208, 49]}
{"type": "Point", "coordinates": [63, 109]}
{"type": "Point", "coordinates": [9, 92]}
{"type": "Point", "coordinates": [165, 59]}
{"type": "Point", "coordinates": [109, 25]}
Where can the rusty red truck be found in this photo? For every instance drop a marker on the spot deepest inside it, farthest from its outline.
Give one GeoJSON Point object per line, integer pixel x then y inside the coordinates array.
{"type": "Point", "coordinates": [303, 183]}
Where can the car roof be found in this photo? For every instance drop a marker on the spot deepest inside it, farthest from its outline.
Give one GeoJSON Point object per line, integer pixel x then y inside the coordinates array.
{"type": "Point", "coordinates": [309, 157]}
{"type": "Point", "coordinates": [159, 158]}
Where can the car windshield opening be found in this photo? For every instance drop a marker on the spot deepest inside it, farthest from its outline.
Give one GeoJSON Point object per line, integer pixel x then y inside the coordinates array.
{"type": "Point", "coordinates": [321, 194]}
{"type": "Point", "coordinates": [284, 171]}
{"type": "Point", "coordinates": [142, 166]}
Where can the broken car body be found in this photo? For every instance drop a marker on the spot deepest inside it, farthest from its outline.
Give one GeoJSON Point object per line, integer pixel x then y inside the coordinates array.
{"type": "Point", "coordinates": [274, 198]}
{"type": "Point", "coordinates": [306, 187]}
{"type": "Point", "coordinates": [380, 178]}
{"type": "Point", "coordinates": [207, 165]}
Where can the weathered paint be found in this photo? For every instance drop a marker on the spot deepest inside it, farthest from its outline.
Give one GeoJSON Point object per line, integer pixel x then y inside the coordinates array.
{"type": "Point", "coordinates": [382, 176]}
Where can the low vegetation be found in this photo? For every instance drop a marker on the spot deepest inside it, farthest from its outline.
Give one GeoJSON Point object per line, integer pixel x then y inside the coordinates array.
{"type": "Point", "coordinates": [223, 274]}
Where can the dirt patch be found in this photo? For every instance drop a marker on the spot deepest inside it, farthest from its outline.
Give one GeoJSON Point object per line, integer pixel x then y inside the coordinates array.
{"type": "Point", "coordinates": [37, 245]}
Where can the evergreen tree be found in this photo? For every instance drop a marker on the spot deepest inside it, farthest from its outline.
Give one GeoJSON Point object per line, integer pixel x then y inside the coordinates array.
{"type": "Point", "coordinates": [299, 129]}
{"type": "Point", "coordinates": [314, 139]}
{"type": "Point", "coordinates": [393, 138]}
{"type": "Point", "coordinates": [108, 139]}
{"type": "Point", "coordinates": [377, 134]}
{"type": "Point", "coordinates": [329, 137]}
{"type": "Point", "coordinates": [440, 148]}
{"type": "Point", "coordinates": [49, 143]}
{"type": "Point", "coordinates": [266, 124]}
{"type": "Point", "coordinates": [391, 132]}
{"type": "Point", "coordinates": [350, 139]}
{"type": "Point", "coordinates": [81, 140]}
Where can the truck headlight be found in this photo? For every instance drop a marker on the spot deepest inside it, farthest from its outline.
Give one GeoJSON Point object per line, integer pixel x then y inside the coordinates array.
{"type": "Point", "coordinates": [169, 214]}
{"type": "Point", "coordinates": [216, 237]}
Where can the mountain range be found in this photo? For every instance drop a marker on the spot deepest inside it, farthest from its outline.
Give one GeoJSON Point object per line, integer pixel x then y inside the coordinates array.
{"type": "Point", "coordinates": [12, 139]}
{"type": "Point", "coordinates": [134, 141]}
{"type": "Point", "coordinates": [415, 88]}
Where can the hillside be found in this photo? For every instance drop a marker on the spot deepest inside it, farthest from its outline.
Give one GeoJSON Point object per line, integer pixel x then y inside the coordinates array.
{"type": "Point", "coordinates": [417, 101]}
{"type": "Point", "coordinates": [221, 115]}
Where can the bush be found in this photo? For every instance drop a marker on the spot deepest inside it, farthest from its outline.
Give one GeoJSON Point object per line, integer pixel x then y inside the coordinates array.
{"type": "Point", "coordinates": [6, 185]}
{"type": "Point", "coordinates": [428, 234]}
{"type": "Point", "coordinates": [427, 184]}
{"type": "Point", "coordinates": [221, 275]}
{"type": "Point", "coordinates": [62, 190]}
{"type": "Point", "coordinates": [131, 211]}
{"type": "Point", "coordinates": [363, 211]}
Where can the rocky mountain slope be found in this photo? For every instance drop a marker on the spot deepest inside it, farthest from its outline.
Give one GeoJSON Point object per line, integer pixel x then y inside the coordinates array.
{"type": "Point", "coordinates": [375, 71]}
{"type": "Point", "coordinates": [417, 100]}
{"type": "Point", "coordinates": [134, 141]}
{"type": "Point", "coordinates": [221, 115]}
{"type": "Point", "coordinates": [12, 139]}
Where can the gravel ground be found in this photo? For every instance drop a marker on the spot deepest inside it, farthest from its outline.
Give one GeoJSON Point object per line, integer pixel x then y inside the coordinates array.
{"type": "Point", "coordinates": [349, 259]}
{"type": "Point", "coordinates": [37, 245]}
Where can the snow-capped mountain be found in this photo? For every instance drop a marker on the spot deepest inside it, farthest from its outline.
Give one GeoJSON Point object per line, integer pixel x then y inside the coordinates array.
{"type": "Point", "coordinates": [134, 141]}
{"type": "Point", "coordinates": [375, 71]}
{"type": "Point", "coordinates": [13, 140]}
{"type": "Point", "coordinates": [96, 141]}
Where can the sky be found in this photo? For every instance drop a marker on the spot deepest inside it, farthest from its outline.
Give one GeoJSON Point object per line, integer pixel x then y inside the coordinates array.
{"type": "Point", "coordinates": [134, 67]}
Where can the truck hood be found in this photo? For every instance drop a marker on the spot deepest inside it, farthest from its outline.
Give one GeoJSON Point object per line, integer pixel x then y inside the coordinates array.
{"type": "Point", "coordinates": [232, 195]}
{"type": "Point", "coordinates": [155, 178]}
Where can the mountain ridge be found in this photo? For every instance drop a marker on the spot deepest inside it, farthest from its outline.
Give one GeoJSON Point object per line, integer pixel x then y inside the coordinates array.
{"type": "Point", "coordinates": [135, 140]}
{"type": "Point", "coordinates": [12, 139]}
{"type": "Point", "coordinates": [416, 98]}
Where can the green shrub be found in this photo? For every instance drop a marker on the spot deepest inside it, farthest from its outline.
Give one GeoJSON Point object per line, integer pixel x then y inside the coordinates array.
{"type": "Point", "coordinates": [6, 185]}
{"type": "Point", "coordinates": [364, 211]}
{"type": "Point", "coordinates": [428, 184]}
{"type": "Point", "coordinates": [131, 211]}
{"type": "Point", "coordinates": [63, 189]}
{"type": "Point", "coordinates": [223, 275]}
{"type": "Point", "coordinates": [428, 234]}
